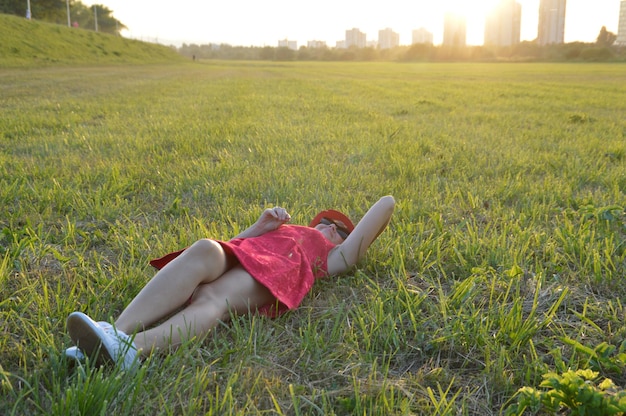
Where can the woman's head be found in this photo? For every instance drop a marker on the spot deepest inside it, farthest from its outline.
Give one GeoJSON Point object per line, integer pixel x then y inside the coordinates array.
{"type": "Point", "coordinates": [334, 225]}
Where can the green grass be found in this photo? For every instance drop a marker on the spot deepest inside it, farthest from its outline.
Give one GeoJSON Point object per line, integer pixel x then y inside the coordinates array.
{"type": "Point", "coordinates": [31, 44]}
{"type": "Point", "coordinates": [504, 261]}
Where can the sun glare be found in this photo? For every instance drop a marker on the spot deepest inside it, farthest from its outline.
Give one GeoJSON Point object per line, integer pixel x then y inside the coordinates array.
{"type": "Point", "coordinates": [474, 13]}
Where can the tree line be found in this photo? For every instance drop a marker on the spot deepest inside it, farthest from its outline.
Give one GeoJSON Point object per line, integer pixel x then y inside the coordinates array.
{"type": "Point", "coordinates": [522, 52]}
{"type": "Point", "coordinates": [528, 51]}
{"type": "Point", "coordinates": [55, 11]}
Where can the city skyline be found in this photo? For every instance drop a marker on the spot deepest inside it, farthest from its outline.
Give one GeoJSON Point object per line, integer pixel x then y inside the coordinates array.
{"type": "Point", "coordinates": [249, 23]}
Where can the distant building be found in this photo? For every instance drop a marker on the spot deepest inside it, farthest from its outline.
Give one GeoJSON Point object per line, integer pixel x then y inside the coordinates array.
{"type": "Point", "coordinates": [503, 24]}
{"type": "Point", "coordinates": [422, 35]}
{"type": "Point", "coordinates": [355, 37]}
{"type": "Point", "coordinates": [454, 30]}
{"type": "Point", "coordinates": [291, 44]}
{"type": "Point", "coordinates": [315, 44]}
{"type": "Point", "coordinates": [341, 44]}
{"type": "Point", "coordinates": [551, 22]}
{"type": "Point", "coordinates": [388, 39]}
{"type": "Point", "coordinates": [621, 28]}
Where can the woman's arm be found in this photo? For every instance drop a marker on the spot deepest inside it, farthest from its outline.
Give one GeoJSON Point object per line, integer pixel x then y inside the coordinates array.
{"type": "Point", "coordinates": [270, 219]}
{"type": "Point", "coordinates": [348, 253]}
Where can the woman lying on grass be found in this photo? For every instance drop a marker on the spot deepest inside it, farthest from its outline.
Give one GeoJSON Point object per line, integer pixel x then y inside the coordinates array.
{"type": "Point", "coordinates": [269, 268]}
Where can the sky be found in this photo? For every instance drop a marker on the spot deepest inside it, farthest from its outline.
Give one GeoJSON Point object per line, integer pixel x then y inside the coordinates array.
{"type": "Point", "coordinates": [264, 23]}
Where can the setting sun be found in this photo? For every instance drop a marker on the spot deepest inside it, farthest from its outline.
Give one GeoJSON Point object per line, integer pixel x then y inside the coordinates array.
{"type": "Point", "coordinates": [472, 11]}
{"type": "Point", "coordinates": [474, 14]}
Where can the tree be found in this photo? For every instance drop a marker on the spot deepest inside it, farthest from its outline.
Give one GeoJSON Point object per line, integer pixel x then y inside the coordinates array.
{"type": "Point", "coordinates": [86, 18]}
{"type": "Point", "coordinates": [283, 53]}
{"type": "Point", "coordinates": [605, 38]}
{"type": "Point", "coordinates": [46, 10]}
{"type": "Point", "coordinates": [267, 53]}
{"type": "Point", "coordinates": [16, 7]}
{"type": "Point", "coordinates": [55, 11]}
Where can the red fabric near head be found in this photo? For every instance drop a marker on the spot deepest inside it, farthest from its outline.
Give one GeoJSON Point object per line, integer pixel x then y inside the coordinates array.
{"type": "Point", "coordinates": [333, 215]}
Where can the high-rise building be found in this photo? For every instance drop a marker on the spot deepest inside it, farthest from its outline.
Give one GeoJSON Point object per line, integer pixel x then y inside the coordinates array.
{"type": "Point", "coordinates": [454, 30]}
{"type": "Point", "coordinates": [621, 28]}
{"type": "Point", "coordinates": [551, 22]}
{"type": "Point", "coordinates": [315, 44]}
{"type": "Point", "coordinates": [286, 43]}
{"type": "Point", "coordinates": [422, 35]}
{"type": "Point", "coordinates": [388, 39]}
{"type": "Point", "coordinates": [355, 37]}
{"type": "Point", "coordinates": [503, 24]}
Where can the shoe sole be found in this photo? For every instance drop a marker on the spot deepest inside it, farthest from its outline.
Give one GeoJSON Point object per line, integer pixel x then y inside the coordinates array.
{"type": "Point", "coordinates": [88, 336]}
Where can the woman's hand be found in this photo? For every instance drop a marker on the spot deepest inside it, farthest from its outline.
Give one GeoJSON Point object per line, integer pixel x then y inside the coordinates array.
{"type": "Point", "coordinates": [272, 218]}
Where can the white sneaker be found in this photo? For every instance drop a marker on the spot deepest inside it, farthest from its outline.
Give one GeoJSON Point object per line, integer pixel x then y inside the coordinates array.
{"type": "Point", "coordinates": [102, 341]}
{"type": "Point", "coordinates": [74, 354]}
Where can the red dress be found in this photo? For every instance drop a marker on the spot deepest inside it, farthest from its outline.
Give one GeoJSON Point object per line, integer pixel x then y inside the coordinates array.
{"type": "Point", "coordinates": [286, 261]}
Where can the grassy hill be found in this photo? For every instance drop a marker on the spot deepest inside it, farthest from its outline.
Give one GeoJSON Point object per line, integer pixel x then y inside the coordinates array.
{"type": "Point", "coordinates": [32, 43]}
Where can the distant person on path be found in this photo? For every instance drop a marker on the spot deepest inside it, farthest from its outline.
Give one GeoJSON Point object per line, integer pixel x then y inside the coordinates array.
{"type": "Point", "coordinates": [269, 268]}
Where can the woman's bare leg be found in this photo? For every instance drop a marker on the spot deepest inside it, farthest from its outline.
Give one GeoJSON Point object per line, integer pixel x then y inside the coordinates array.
{"type": "Point", "coordinates": [203, 262]}
{"type": "Point", "coordinates": [234, 292]}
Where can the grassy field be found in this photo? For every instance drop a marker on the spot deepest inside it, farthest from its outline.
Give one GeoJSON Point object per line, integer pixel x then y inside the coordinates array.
{"type": "Point", "coordinates": [504, 262]}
